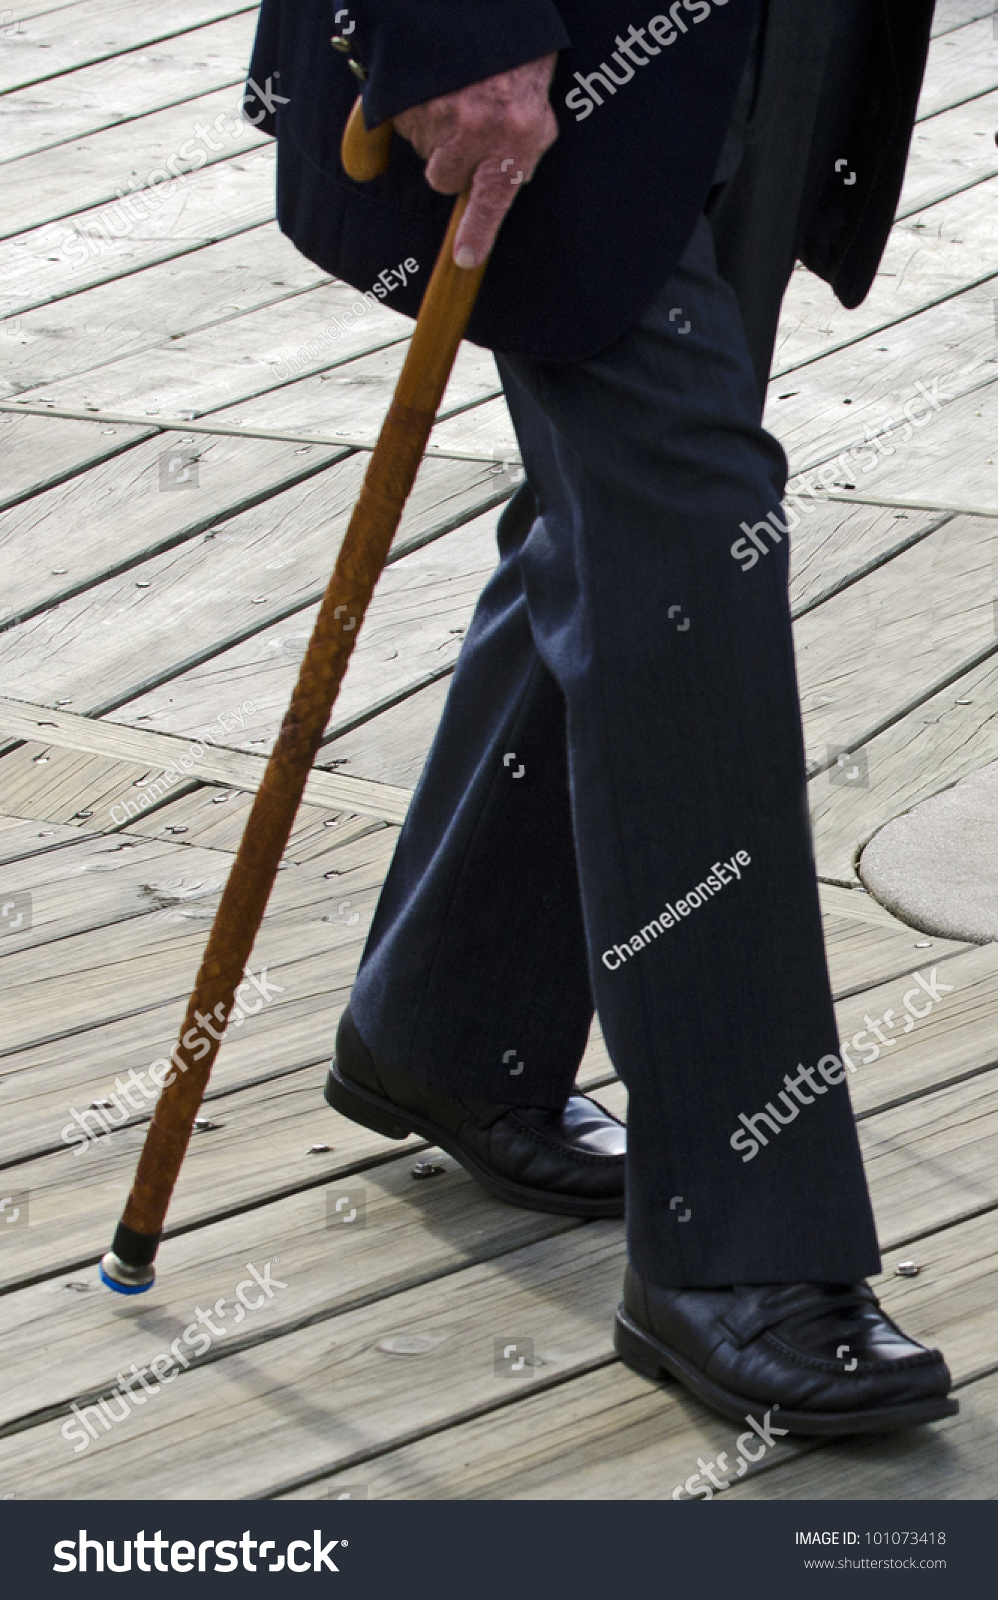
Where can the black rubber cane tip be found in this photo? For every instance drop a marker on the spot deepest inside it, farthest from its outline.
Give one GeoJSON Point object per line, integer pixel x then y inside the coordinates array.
{"type": "Point", "coordinates": [135, 1249]}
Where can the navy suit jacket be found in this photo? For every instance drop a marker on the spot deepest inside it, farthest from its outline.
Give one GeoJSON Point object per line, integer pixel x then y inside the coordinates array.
{"type": "Point", "coordinates": [590, 241]}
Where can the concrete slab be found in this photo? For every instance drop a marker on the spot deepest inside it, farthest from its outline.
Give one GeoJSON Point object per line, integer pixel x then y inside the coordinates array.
{"type": "Point", "coordinates": [936, 866]}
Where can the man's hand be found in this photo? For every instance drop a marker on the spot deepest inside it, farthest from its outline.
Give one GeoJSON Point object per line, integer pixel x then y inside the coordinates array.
{"type": "Point", "coordinates": [490, 135]}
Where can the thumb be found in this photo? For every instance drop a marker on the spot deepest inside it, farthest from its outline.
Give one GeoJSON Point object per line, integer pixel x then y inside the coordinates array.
{"type": "Point", "coordinates": [492, 194]}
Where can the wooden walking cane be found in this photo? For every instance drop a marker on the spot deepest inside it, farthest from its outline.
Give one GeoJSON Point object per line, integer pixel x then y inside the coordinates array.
{"type": "Point", "coordinates": [443, 317]}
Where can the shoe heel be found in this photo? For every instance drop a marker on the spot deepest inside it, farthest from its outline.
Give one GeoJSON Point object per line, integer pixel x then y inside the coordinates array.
{"type": "Point", "coordinates": [363, 1108]}
{"type": "Point", "coordinates": [634, 1350]}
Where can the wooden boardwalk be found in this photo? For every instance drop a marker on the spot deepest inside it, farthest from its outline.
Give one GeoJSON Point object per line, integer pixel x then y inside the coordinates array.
{"type": "Point", "coordinates": [172, 502]}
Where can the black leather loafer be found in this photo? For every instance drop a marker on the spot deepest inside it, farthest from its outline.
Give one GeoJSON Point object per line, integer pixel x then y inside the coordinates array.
{"type": "Point", "coordinates": [823, 1357]}
{"type": "Point", "coordinates": [570, 1162]}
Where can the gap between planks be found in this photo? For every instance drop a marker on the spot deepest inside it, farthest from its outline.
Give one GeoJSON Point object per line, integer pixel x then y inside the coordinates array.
{"type": "Point", "coordinates": [181, 424]}
{"type": "Point", "coordinates": [233, 768]}
{"type": "Point", "coordinates": [184, 424]}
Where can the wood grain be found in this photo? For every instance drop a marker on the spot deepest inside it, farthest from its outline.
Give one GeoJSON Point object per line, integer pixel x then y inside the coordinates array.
{"type": "Point", "coordinates": [125, 968]}
{"type": "Point", "coordinates": [941, 245]}
{"type": "Point", "coordinates": [21, 838]}
{"type": "Point", "coordinates": [37, 453]}
{"type": "Point", "coordinates": [950, 14]}
{"type": "Point", "coordinates": [112, 91]}
{"type": "Point", "coordinates": [949, 152]}
{"type": "Point", "coordinates": [892, 637]}
{"type": "Point", "coordinates": [955, 457]}
{"type": "Point", "coordinates": [131, 507]}
{"type": "Point", "coordinates": [951, 344]}
{"type": "Point", "coordinates": [34, 8]}
{"type": "Point", "coordinates": [961, 65]}
{"type": "Point", "coordinates": [610, 1434]}
{"type": "Point", "coordinates": [93, 784]}
{"type": "Point", "coordinates": [225, 199]}
{"type": "Point", "coordinates": [148, 309]}
{"type": "Point", "coordinates": [247, 355]}
{"type": "Point", "coordinates": [63, 38]}
{"type": "Point", "coordinates": [951, 734]}
{"type": "Point", "coordinates": [353, 394]}
{"type": "Point", "coordinates": [838, 542]}
{"type": "Point", "coordinates": [85, 175]}
{"type": "Point", "coordinates": [416, 623]}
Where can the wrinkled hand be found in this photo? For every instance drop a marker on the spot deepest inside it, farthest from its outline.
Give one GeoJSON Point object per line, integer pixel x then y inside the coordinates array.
{"type": "Point", "coordinates": [490, 135]}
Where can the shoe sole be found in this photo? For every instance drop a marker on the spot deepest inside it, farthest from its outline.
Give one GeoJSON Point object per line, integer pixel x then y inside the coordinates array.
{"type": "Point", "coordinates": [653, 1359]}
{"type": "Point", "coordinates": [381, 1116]}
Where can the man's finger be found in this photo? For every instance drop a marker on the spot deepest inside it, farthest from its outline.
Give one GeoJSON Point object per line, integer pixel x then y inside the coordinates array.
{"type": "Point", "coordinates": [451, 167]}
{"type": "Point", "coordinates": [492, 194]}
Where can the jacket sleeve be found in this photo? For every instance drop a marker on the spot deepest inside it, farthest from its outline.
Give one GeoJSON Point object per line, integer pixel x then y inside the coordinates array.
{"type": "Point", "coordinates": [870, 120]}
{"type": "Point", "coordinates": [414, 50]}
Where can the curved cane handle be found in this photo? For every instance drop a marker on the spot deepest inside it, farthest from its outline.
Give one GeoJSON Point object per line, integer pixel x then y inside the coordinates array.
{"type": "Point", "coordinates": [364, 153]}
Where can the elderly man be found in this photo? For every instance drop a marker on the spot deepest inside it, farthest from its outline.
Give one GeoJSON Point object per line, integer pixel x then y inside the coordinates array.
{"type": "Point", "coordinates": [613, 812]}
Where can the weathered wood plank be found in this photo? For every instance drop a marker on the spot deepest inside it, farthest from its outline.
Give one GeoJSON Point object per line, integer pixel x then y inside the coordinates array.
{"type": "Point", "coordinates": [125, 87]}
{"type": "Point", "coordinates": [415, 622]}
{"type": "Point", "coordinates": [828, 404]}
{"type": "Point", "coordinates": [37, 453]}
{"type": "Point", "coordinates": [932, 1161]}
{"type": "Point", "coordinates": [953, 460]}
{"type": "Point", "coordinates": [70, 788]}
{"type": "Point", "coordinates": [147, 309]}
{"type": "Point", "coordinates": [605, 1435]}
{"type": "Point", "coordinates": [954, 1460]}
{"type": "Point", "coordinates": [559, 1292]}
{"type": "Point", "coordinates": [612, 1435]}
{"type": "Point", "coordinates": [867, 946]}
{"type": "Point", "coordinates": [837, 542]}
{"type": "Point", "coordinates": [160, 494]}
{"type": "Point", "coordinates": [45, 1082]}
{"type": "Point", "coordinates": [73, 1192]}
{"type": "Point", "coordinates": [225, 199]}
{"type": "Point", "coordinates": [949, 152]}
{"type": "Point", "coordinates": [486, 431]}
{"type": "Point", "coordinates": [951, 1040]}
{"type": "Point", "coordinates": [214, 819]}
{"type": "Point", "coordinates": [34, 8]}
{"type": "Point", "coordinates": [249, 355]}
{"type": "Point", "coordinates": [391, 746]}
{"type": "Point", "coordinates": [562, 1294]}
{"type": "Point", "coordinates": [933, 253]}
{"type": "Point", "coordinates": [870, 650]}
{"type": "Point", "coordinates": [63, 38]}
{"type": "Point", "coordinates": [97, 881]}
{"type": "Point", "coordinates": [74, 1196]}
{"type": "Point", "coordinates": [92, 787]}
{"type": "Point", "coordinates": [22, 838]}
{"type": "Point", "coordinates": [961, 64]}
{"type": "Point", "coordinates": [950, 14]}
{"type": "Point", "coordinates": [126, 968]}
{"type": "Point", "coordinates": [354, 395]}
{"type": "Point", "coordinates": [950, 735]}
